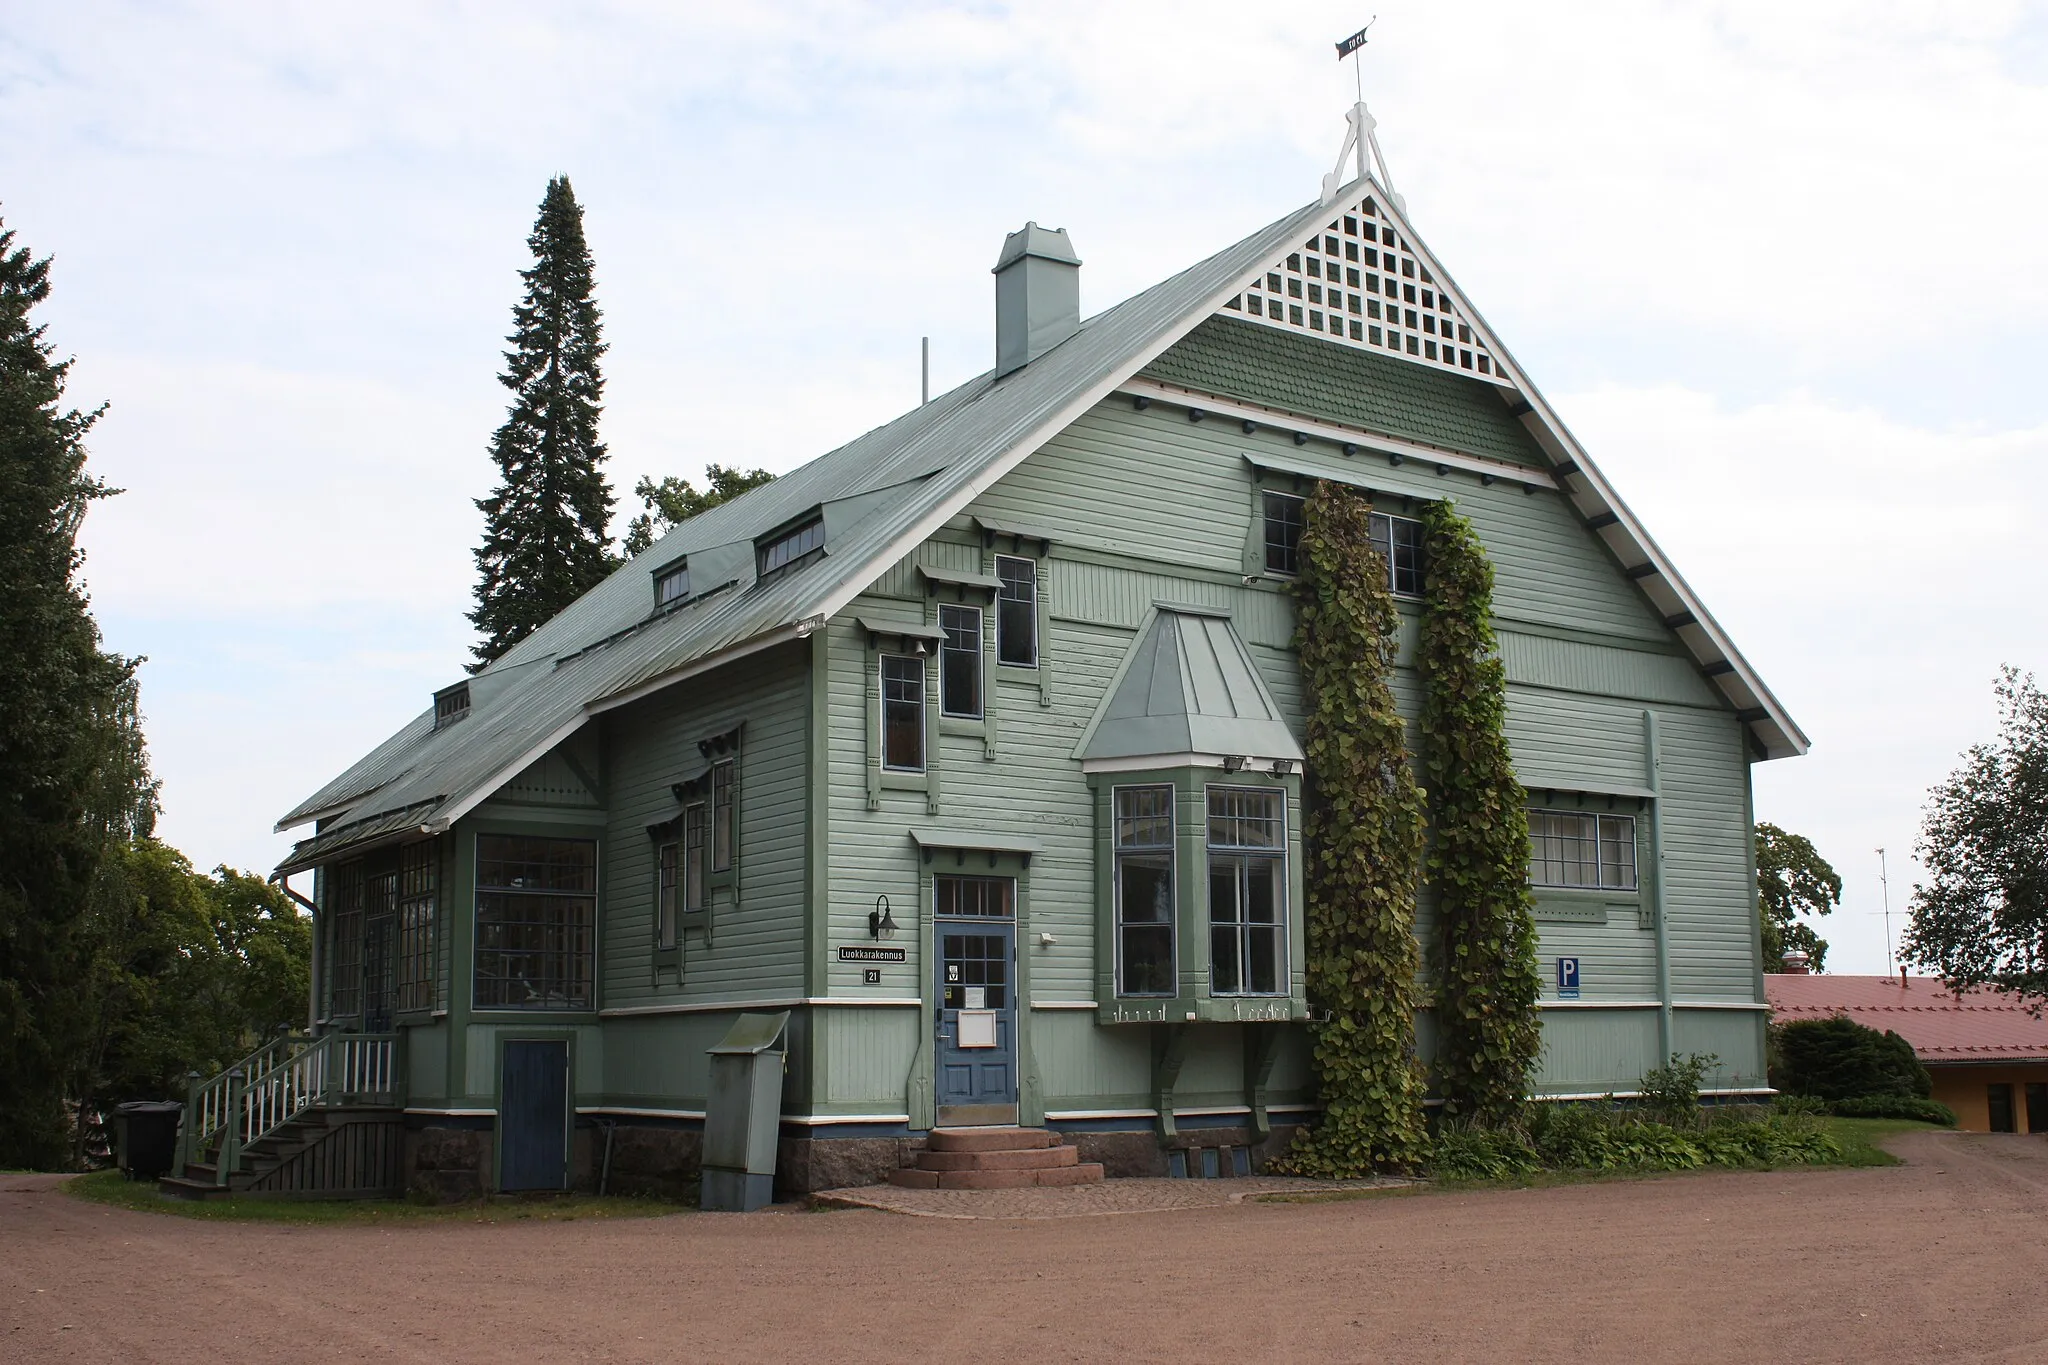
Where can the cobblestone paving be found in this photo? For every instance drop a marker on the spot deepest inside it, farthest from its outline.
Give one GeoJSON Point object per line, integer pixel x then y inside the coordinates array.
{"type": "Point", "coordinates": [1084, 1201]}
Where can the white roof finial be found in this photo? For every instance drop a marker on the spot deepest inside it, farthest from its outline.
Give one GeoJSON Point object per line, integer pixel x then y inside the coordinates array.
{"type": "Point", "coordinates": [1358, 134]}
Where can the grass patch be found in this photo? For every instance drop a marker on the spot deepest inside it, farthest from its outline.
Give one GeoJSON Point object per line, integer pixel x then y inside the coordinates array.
{"type": "Point", "coordinates": [1859, 1138]}
{"type": "Point", "coordinates": [108, 1187]}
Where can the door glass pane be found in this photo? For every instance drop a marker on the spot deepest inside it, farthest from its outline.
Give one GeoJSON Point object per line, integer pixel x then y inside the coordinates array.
{"type": "Point", "coordinates": [976, 962]}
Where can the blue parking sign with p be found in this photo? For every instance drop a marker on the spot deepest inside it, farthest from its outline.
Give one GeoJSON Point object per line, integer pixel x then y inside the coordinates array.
{"type": "Point", "coordinates": [1567, 978]}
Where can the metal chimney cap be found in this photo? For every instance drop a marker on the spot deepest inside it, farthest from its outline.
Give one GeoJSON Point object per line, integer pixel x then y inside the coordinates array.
{"type": "Point", "coordinates": [1049, 244]}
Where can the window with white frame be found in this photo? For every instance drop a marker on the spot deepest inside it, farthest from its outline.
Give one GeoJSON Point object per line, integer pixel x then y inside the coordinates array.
{"type": "Point", "coordinates": [1144, 891]}
{"type": "Point", "coordinates": [960, 662]}
{"type": "Point", "coordinates": [1017, 611]}
{"type": "Point", "coordinates": [1569, 848]}
{"type": "Point", "coordinates": [902, 713]}
{"type": "Point", "coordinates": [1247, 839]}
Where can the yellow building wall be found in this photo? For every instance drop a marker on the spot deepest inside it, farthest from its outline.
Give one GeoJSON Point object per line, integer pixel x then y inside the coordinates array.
{"type": "Point", "coordinates": [1965, 1089]}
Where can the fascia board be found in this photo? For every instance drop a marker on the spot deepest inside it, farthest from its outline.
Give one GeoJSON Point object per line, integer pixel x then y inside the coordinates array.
{"type": "Point", "coordinates": [1743, 687]}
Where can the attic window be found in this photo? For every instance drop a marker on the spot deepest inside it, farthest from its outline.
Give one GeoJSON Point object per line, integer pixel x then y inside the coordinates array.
{"type": "Point", "coordinates": [671, 585]}
{"type": "Point", "coordinates": [792, 546]}
{"type": "Point", "coordinates": [451, 705]}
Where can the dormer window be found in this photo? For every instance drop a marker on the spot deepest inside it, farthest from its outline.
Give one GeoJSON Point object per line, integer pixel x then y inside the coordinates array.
{"type": "Point", "coordinates": [451, 704]}
{"type": "Point", "coordinates": [792, 546]}
{"type": "Point", "coordinates": [671, 585]}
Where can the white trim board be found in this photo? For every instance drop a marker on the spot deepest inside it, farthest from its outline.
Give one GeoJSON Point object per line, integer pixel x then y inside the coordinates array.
{"type": "Point", "coordinates": [791, 1002]}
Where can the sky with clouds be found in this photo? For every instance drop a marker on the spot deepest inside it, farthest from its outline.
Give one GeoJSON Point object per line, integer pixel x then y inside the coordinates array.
{"type": "Point", "coordinates": [1778, 266]}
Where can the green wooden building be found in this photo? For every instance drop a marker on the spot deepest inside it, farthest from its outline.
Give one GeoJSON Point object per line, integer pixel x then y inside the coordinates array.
{"type": "Point", "coordinates": [974, 745]}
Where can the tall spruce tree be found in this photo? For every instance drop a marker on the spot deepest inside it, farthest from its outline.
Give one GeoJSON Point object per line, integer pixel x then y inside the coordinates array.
{"type": "Point", "coordinates": [546, 526]}
{"type": "Point", "coordinates": [74, 778]}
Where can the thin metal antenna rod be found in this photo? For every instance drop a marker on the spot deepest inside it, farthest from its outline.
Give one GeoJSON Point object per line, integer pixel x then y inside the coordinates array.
{"type": "Point", "coordinates": [1884, 881]}
{"type": "Point", "coordinates": [925, 390]}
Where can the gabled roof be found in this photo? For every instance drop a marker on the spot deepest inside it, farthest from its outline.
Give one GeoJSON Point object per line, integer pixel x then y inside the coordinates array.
{"type": "Point", "coordinates": [881, 495]}
{"type": "Point", "coordinates": [1188, 686]}
{"type": "Point", "coordinates": [1977, 1026]}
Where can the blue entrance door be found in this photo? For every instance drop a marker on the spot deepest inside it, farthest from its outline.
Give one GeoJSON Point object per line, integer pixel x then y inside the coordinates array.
{"type": "Point", "coordinates": [977, 1021]}
{"type": "Point", "coordinates": [533, 1117]}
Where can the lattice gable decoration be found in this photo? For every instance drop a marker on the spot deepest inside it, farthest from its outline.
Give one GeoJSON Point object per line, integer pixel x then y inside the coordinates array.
{"type": "Point", "coordinates": [1361, 281]}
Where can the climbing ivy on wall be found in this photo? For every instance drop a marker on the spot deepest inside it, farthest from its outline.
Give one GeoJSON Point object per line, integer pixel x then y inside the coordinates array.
{"type": "Point", "coordinates": [1363, 833]}
{"type": "Point", "coordinates": [1487, 1035]}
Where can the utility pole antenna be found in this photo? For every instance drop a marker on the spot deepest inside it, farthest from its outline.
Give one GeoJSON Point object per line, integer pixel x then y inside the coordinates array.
{"type": "Point", "coordinates": [925, 346]}
{"type": "Point", "coordinates": [1884, 881]}
{"type": "Point", "coordinates": [1359, 138]}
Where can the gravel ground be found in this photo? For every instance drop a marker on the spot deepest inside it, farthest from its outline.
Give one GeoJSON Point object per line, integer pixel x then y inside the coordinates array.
{"type": "Point", "coordinates": [1941, 1259]}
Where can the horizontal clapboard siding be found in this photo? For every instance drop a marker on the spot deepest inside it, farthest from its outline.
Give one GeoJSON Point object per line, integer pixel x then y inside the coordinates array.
{"type": "Point", "coordinates": [756, 947]}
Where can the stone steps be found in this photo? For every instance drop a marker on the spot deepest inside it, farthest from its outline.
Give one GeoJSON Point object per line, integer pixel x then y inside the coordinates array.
{"type": "Point", "coordinates": [995, 1159]}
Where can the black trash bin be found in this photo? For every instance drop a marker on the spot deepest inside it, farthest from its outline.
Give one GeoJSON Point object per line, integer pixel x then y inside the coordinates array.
{"type": "Point", "coordinates": [146, 1133]}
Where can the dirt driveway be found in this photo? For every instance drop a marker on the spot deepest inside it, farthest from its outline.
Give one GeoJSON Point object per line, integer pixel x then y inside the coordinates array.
{"type": "Point", "coordinates": [1945, 1258]}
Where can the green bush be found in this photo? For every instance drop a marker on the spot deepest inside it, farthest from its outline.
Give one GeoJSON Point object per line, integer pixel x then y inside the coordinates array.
{"type": "Point", "coordinates": [1671, 1093]}
{"type": "Point", "coordinates": [1483, 1154]}
{"type": "Point", "coordinates": [1895, 1107]}
{"type": "Point", "coordinates": [1798, 1104]}
{"type": "Point", "coordinates": [1839, 1059]}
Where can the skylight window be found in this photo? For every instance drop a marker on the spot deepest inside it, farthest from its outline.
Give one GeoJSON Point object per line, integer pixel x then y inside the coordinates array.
{"type": "Point", "coordinates": [792, 546]}
{"type": "Point", "coordinates": [671, 585]}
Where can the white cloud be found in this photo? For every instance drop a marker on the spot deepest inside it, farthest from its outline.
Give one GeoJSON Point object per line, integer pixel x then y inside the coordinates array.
{"type": "Point", "coordinates": [1799, 243]}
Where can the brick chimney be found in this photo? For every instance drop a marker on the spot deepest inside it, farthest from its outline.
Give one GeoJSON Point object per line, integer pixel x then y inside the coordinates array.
{"type": "Point", "coordinates": [1795, 964]}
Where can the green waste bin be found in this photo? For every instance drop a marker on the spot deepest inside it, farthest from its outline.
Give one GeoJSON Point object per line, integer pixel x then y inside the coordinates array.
{"type": "Point", "coordinates": [146, 1137]}
{"type": "Point", "coordinates": [743, 1116]}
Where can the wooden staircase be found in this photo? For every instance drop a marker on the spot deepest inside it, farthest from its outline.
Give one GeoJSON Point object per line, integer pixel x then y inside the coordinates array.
{"type": "Point", "coordinates": [341, 1153]}
{"type": "Point", "coordinates": [995, 1159]}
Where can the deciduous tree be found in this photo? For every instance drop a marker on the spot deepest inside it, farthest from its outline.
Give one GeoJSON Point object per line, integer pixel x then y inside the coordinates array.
{"type": "Point", "coordinates": [1981, 919]}
{"type": "Point", "coordinates": [1793, 882]}
{"type": "Point", "coordinates": [674, 501]}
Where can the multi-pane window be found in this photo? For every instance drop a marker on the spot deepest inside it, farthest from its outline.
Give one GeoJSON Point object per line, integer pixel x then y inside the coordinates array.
{"type": "Point", "coordinates": [903, 713]}
{"type": "Point", "coordinates": [345, 910]}
{"type": "Point", "coordinates": [1144, 890]}
{"type": "Point", "coordinates": [792, 545]}
{"type": "Point", "coordinates": [722, 777]}
{"type": "Point", "coordinates": [667, 868]}
{"type": "Point", "coordinates": [696, 834]}
{"type": "Point", "coordinates": [451, 705]}
{"type": "Point", "coordinates": [971, 897]}
{"type": "Point", "coordinates": [1399, 541]}
{"type": "Point", "coordinates": [671, 585]}
{"type": "Point", "coordinates": [536, 916]}
{"type": "Point", "coordinates": [1247, 891]}
{"type": "Point", "coordinates": [960, 662]}
{"type": "Point", "coordinates": [1579, 848]}
{"type": "Point", "coordinates": [418, 873]}
{"type": "Point", "coordinates": [1283, 533]}
{"type": "Point", "coordinates": [1017, 611]}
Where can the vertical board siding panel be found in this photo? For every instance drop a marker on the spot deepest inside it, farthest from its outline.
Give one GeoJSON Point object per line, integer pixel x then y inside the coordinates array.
{"type": "Point", "coordinates": [1595, 1051]}
{"type": "Point", "coordinates": [660, 1061]}
{"type": "Point", "coordinates": [1086, 1066]}
{"type": "Point", "coordinates": [756, 947]}
{"type": "Point", "coordinates": [868, 1058]}
{"type": "Point", "coordinates": [1734, 1037]}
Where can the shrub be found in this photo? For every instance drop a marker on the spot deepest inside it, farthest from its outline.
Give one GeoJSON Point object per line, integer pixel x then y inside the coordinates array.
{"type": "Point", "coordinates": [1671, 1093]}
{"type": "Point", "coordinates": [1798, 1104]}
{"type": "Point", "coordinates": [1573, 1136]}
{"type": "Point", "coordinates": [1895, 1107]}
{"type": "Point", "coordinates": [1839, 1059]}
{"type": "Point", "coordinates": [1482, 1154]}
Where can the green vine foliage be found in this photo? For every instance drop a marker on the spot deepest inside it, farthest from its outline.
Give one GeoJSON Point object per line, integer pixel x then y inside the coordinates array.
{"type": "Point", "coordinates": [1487, 1035]}
{"type": "Point", "coordinates": [1363, 831]}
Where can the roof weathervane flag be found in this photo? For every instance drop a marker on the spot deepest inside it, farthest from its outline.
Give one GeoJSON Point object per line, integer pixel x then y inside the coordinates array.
{"type": "Point", "coordinates": [1358, 137]}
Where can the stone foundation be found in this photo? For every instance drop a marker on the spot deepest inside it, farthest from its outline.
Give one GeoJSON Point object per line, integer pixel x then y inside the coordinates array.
{"type": "Point", "coordinates": [447, 1165]}
{"type": "Point", "coordinates": [655, 1162]}
{"type": "Point", "coordinates": [805, 1164]}
{"type": "Point", "coordinates": [1141, 1153]}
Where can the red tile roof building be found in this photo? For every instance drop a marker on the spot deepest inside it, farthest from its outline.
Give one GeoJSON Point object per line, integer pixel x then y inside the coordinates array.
{"type": "Point", "coordinates": [1986, 1051]}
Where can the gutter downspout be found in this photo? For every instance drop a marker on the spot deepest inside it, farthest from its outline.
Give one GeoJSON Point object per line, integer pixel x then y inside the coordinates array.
{"type": "Point", "coordinates": [1655, 768]}
{"type": "Point", "coordinates": [283, 883]}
